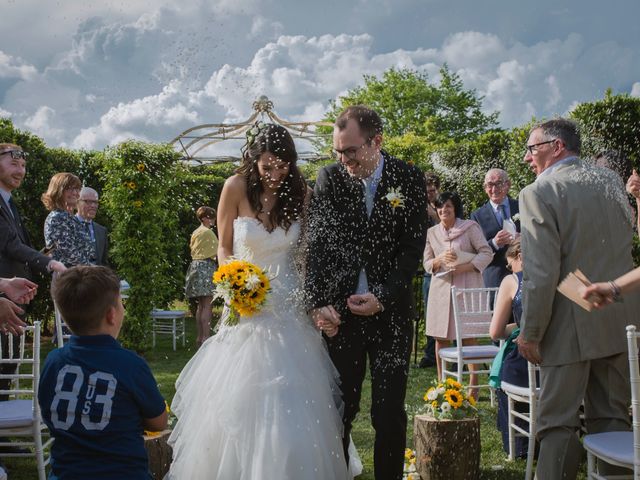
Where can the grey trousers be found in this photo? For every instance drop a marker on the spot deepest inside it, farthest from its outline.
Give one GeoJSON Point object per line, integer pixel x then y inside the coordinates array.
{"type": "Point", "coordinates": [604, 385]}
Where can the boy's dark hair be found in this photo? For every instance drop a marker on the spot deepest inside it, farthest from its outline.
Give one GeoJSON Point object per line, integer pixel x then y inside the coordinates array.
{"type": "Point", "coordinates": [84, 294]}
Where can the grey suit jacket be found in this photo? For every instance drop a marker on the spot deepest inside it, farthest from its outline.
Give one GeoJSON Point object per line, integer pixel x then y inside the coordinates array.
{"type": "Point", "coordinates": [577, 217]}
{"type": "Point", "coordinates": [102, 244]}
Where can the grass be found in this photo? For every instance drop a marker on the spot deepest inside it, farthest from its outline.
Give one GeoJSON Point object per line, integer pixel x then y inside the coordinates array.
{"type": "Point", "coordinates": [167, 364]}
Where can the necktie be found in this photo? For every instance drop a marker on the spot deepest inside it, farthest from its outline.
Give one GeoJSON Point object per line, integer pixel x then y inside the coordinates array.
{"type": "Point", "coordinates": [501, 214]}
{"type": "Point", "coordinates": [368, 194]}
{"type": "Point", "coordinates": [14, 212]}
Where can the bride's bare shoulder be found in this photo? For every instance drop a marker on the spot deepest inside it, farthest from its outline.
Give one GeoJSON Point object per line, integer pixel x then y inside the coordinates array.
{"type": "Point", "coordinates": [235, 185]}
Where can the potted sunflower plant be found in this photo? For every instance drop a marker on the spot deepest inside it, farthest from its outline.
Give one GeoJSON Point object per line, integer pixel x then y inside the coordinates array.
{"type": "Point", "coordinates": [447, 435]}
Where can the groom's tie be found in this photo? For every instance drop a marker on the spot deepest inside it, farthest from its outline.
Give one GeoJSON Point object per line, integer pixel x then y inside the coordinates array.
{"type": "Point", "coordinates": [368, 194]}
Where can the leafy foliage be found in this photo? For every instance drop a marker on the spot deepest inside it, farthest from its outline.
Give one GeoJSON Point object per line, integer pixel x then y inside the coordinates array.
{"type": "Point", "coordinates": [138, 179]}
{"type": "Point", "coordinates": [407, 102]}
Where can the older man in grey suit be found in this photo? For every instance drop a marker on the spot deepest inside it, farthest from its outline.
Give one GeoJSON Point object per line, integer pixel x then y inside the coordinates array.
{"type": "Point", "coordinates": [574, 216]}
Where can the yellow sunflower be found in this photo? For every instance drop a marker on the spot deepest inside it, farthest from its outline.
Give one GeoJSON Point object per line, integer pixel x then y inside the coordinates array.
{"type": "Point", "coordinates": [453, 383]}
{"type": "Point", "coordinates": [140, 167]}
{"type": "Point", "coordinates": [454, 397]}
{"type": "Point", "coordinates": [472, 401]}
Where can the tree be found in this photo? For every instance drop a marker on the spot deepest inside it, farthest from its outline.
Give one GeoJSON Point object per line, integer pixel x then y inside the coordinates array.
{"type": "Point", "coordinates": [407, 102]}
{"type": "Point", "coordinates": [612, 123]}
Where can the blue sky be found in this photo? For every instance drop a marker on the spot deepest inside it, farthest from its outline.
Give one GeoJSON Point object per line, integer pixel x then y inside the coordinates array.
{"type": "Point", "coordinates": [85, 74]}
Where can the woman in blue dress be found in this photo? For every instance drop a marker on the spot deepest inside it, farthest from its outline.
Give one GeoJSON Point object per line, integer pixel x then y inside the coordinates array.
{"type": "Point", "coordinates": [505, 326]}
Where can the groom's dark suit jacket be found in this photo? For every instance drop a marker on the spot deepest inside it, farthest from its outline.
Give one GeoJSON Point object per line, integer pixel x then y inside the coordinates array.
{"type": "Point", "coordinates": [343, 239]}
{"type": "Point", "coordinates": [17, 257]}
{"type": "Point", "coordinates": [497, 269]}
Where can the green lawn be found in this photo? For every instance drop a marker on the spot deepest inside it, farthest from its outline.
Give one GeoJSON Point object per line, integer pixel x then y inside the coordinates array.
{"type": "Point", "coordinates": [166, 366]}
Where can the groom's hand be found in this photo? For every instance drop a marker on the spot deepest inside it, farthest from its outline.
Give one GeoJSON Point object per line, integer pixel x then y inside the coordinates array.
{"type": "Point", "coordinates": [365, 304]}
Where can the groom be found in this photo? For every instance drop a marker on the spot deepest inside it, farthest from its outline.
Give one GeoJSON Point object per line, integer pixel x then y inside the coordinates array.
{"type": "Point", "coordinates": [367, 229]}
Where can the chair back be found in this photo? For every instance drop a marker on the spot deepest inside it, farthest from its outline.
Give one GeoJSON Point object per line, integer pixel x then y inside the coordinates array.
{"type": "Point", "coordinates": [634, 375]}
{"type": "Point", "coordinates": [472, 311]}
{"type": "Point", "coordinates": [25, 357]}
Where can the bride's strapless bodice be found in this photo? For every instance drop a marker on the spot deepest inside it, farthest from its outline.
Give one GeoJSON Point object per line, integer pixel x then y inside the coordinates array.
{"type": "Point", "coordinates": [272, 251]}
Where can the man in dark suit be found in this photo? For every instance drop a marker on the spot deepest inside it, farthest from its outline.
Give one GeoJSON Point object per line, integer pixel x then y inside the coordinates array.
{"type": "Point", "coordinates": [17, 257]}
{"type": "Point", "coordinates": [367, 232]}
{"type": "Point", "coordinates": [491, 217]}
{"type": "Point", "coordinates": [87, 209]}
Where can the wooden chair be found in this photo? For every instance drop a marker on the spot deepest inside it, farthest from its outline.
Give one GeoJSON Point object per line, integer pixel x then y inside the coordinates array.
{"type": "Point", "coordinates": [20, 415]}
{"type": "Point", "coordinates": [620, 448]}
{"type": "Point", "coordinates": [472, 311]}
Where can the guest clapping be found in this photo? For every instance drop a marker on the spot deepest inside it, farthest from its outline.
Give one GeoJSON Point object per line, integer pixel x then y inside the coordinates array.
{"type": "Point", "coordinates": [204, 247]}
{"type": "Point", "coordinates": [18, 291]}
{"type": "Point", "coordinates": [69, 240]}
{"type": "Point", "coordinates": [456, 253]}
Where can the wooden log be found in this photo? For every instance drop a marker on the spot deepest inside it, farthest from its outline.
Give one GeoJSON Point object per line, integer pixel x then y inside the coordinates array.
{"type": "Point", "coordinates": [447, 449]}
{"type": "Point", "coordinates": [159, 453]}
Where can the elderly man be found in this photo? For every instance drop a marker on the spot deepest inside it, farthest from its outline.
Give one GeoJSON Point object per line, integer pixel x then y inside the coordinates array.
{"type": "Point", "coordinates": [87, 209]}
{"type": "Point", "coordinates": [574, 216]}
{"type": "Point", "coordinates": [491, 217]}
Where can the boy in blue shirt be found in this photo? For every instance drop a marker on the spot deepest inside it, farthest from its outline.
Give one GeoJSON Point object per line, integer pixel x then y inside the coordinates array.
{"type": "Point", "coordinates": [95, 396]}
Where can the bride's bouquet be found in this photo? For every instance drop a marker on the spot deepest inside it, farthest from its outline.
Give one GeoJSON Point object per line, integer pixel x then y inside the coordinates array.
{"type": "Point", "coordinates": [243, 286]}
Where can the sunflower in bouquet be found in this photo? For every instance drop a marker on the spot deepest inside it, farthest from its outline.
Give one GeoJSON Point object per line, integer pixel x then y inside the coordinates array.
{"type": "Point", "coordinates": [448, 400]}
{"type": "Point", "coordinates": [243, 286]}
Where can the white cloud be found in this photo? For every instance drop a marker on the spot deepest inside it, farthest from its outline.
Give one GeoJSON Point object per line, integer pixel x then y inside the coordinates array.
{"type": "Point", "coordinates": [156, 114]}
{"type": "Point", "coordinates": [150, 73]}
{"type": "Point", "coordinates": [41, 123]}
{"type": "Point", "coordinates": [15, 67]}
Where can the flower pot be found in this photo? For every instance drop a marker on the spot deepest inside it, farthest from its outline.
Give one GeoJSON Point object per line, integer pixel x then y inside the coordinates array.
{"type": "Point", "coordinates": [447, 449]}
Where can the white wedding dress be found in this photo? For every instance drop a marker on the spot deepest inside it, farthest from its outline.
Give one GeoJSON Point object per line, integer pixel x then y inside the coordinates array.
{"type": "Point", "coordinates": [260, 400]}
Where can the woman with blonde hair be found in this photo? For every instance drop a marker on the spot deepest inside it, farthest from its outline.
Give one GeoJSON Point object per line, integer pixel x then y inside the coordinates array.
{"type": "Point", "coordinates": [199, 283]}
{"type": "Point", "coordinates": [69, 240]}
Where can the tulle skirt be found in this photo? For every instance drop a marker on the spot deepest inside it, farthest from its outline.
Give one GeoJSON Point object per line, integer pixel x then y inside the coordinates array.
{"type": "Point", "coordinates": [259, 400]}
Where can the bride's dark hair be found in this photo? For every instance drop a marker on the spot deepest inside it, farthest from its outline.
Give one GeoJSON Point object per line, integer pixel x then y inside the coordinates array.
{"type": "Point", "coordinates": [277, 141]}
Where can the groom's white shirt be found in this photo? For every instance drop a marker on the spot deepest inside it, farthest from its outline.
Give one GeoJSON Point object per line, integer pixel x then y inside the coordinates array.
{"type": "Point", "coordinates": [370, 185]}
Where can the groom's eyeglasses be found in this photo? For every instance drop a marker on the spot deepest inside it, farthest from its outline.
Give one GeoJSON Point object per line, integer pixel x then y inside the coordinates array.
{"type": "Point", "coordinates": [350, 152]}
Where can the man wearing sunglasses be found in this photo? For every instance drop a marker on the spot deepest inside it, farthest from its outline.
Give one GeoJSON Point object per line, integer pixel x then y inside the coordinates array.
{"type": "Point", "coordinates": [17, 257]}
{"type": "Point", "coordinates": [574, 216]}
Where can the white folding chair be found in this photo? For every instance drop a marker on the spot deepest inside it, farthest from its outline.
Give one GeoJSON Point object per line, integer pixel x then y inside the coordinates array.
{"type": "Point", "coordinates": [62, 331]}
{"type": "Point", "coordinates": [168, 322]}
{"type": "Point", "coordinates": [620, 448]}
{"type": "Point", "coordinates": [529, 395]}
{"type": "Point", "coordinates": [472, 311]}
{"type": "Point", "coordinates": [20, 415]}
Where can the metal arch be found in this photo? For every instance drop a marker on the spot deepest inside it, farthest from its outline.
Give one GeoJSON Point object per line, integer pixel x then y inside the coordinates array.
{"type": "Point", "coordinates": [195, 139]}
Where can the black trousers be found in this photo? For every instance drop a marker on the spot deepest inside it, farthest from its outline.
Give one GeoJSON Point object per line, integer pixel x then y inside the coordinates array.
{"type": "Point", "coordinates": [386, 342]}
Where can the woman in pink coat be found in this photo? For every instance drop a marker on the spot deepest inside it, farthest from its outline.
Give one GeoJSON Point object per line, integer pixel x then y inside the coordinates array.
{"type": "Point", "coordinates": [450, 239]}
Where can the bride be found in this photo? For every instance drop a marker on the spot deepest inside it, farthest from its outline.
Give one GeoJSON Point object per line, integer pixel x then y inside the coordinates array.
{"type": "Point", "coordinates": [260, 399]}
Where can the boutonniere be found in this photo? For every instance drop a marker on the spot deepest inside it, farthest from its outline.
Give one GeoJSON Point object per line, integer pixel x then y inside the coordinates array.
{"type": "Point", "coordinates": [395, 198]}
{"type": "Point", "coordinates": [515, 218]}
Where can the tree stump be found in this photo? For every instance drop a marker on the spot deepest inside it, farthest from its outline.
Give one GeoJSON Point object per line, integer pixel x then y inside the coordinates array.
{"type": "Point", "coordinates": [159, 453]}
{"type": "Point", "coordinates": [447, 449]}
